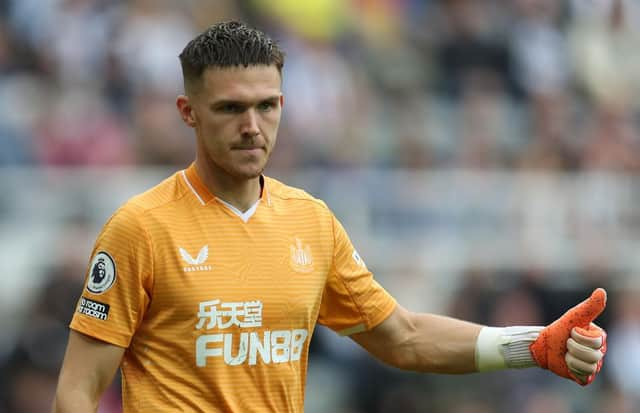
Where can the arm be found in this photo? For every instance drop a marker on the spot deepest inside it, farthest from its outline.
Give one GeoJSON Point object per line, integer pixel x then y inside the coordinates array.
{"type": "Point", "coordinates": [423, 342]}
{"type": "Point", "coordinates": [572, 346]}
{"type": "Point", "coordinates": [87, 370]}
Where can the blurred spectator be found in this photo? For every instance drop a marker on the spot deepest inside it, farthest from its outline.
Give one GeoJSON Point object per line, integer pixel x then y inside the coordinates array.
{"type": "Point", "coordinates": [32, 367]}
{"type": "Point", "coordinates": [148, 42]}
{"type": "Point", "coordinates": [624, 337]}
{"type": "Point", "coordinates": [313, 20]}
{"type": "Point", "coordinates": [538, 47]}
{"type": "Point", "coordinates": [547, 402]}
{"type": "Point", "coordinates": [161, 138]}
{"type": "Point", "coordinates": [472, 42]}
{"type": "Point", "coordinates": [612, 141]}
{"type": "Point", "coordinates": [483, 137]}
{"type": "Point", "coordinates": [204, 13]}
{"type": "Point", "coordinates": [616, 402]}
{"type": "Point", "coordinates": [79, 45]}
{"type": "Point", "coordinates": [603, 49]}
{"type": "Point", "coordinates": [79, 130]}
{"type": "Point", "coordinates": [323, 87]}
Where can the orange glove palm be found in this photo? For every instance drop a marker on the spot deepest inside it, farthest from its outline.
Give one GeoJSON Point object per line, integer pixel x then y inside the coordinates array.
{"type": "Point", "coordinates": [550, 348]}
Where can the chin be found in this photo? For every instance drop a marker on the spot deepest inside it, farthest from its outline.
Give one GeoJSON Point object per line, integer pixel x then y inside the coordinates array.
{"type": "Point", "coordinates": [248, 173]}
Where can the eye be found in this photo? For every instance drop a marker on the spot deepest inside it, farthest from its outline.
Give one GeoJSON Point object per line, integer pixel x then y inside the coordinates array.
{"type": "Point", "coordinates": [266, 106]}
{"type": "Point", "coordinates": [230, 108]}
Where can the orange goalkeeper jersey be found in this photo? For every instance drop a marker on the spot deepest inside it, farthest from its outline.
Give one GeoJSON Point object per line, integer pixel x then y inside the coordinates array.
{"type": "Point", "coordinates": [216, 308]}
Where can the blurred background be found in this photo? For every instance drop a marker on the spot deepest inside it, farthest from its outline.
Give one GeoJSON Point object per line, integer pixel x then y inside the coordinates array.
{"type": "Point", "coordinates": [482, 155]}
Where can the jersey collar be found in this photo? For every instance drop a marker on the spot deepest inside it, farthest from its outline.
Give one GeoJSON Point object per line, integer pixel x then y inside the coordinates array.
{"type": "Point", "coordinates": [202, 193]}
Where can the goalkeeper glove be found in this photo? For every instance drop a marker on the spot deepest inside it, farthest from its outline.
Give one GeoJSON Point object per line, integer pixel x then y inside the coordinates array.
{"type": "Point", "coordinates": [572, 346]}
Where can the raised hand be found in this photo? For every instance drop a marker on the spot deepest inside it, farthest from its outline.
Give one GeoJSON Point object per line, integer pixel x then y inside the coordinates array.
{"type": "Point", "coordinates": [572, 346]}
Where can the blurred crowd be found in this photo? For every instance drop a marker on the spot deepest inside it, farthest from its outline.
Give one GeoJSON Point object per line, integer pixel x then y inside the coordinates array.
{"type": "Point", "coordinates": [385, 83]}
{"type": "Point", "coordinates": [480, 85]}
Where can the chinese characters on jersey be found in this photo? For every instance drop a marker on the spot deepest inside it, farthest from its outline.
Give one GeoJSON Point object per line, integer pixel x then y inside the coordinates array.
{"type": "Point", "coordinates": [256, 344]}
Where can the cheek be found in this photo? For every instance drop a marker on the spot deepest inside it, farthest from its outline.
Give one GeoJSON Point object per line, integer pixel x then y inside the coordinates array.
{"type": "Point", "coordinates": [272, 123]}
{"type": "Point", "coordinates": [213, 135]}
{"type": "Point", "coordinates": [210, 145]}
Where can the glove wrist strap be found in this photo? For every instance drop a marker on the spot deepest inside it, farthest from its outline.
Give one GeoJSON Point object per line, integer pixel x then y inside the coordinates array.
{"type": "Point", "coordinates": [505, 347]}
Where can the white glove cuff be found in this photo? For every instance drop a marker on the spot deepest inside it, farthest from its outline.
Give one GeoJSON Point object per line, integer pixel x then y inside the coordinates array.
{"type": "Point", "coordinates": [505, 347]}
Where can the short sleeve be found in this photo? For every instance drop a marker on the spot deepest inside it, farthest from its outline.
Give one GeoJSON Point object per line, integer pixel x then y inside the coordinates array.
{"type": "Point", "coordinates": [353, 301]}
{"type": "Point", "coordinates": [118, 281]}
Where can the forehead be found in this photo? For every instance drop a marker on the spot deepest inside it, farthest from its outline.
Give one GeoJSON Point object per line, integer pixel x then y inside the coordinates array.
{"type": "Point", "coordinates": [241, 83]}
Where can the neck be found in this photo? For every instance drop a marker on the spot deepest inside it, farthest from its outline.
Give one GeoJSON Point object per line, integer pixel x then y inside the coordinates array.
{"type": "Point", "coordinates": [242, 193]}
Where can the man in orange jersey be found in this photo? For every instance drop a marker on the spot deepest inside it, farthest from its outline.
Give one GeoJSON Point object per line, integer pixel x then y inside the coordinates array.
{"type": "Point", "coordinates": [205, 289]}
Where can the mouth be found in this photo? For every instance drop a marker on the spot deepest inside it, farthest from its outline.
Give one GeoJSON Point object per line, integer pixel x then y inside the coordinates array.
{"type": "Point", "coordinates": [253, 150]}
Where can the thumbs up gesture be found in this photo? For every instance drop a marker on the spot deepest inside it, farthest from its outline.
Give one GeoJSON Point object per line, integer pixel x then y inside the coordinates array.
{"type": "Point", "coordinates": [572, 346]}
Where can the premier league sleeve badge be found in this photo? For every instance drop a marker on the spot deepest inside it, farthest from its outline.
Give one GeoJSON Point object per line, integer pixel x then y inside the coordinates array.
{"type": "Point", "coordinates": [103, 273]}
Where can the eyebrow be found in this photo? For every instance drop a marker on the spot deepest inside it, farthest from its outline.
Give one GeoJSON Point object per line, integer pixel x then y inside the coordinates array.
{"type": "Point", "coordinates": [223, 102]}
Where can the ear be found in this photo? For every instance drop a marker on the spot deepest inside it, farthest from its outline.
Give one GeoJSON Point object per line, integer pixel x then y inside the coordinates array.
{"type": "Point", "coordinates": [186, 111]}
{"type": "Point", "coordinates": [281, 101]}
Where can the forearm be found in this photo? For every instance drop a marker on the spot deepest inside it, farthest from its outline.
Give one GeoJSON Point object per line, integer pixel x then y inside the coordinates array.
{"type": "Point", "coordinates": [447, 345]}
{"type": "Point", "coordinates": [88, 369]}
{"type": "Point", "coordinates": [437, 344]}
{"type": "Point", "coordinates": [73, 401]}
{"type": "Point", "coordinates": [423, 342]}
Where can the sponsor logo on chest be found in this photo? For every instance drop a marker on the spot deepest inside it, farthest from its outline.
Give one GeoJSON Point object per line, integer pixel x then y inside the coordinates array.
{"type": "Point", "coordinates": [267, 346]}
{"type": "Point", "coordinates": [199, 263]}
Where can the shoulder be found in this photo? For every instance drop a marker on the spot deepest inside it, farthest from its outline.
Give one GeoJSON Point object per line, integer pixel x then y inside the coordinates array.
{"type": "Point", "coordinates": [168, 191]}
{"type": "Point", "coordinates": [281, 191]}
{"type": "Point", "coordinates": [164, 193]}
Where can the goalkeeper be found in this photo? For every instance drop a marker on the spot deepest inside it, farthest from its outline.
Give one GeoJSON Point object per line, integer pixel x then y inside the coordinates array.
{"type": "Point", "coordinates": [205, 290]}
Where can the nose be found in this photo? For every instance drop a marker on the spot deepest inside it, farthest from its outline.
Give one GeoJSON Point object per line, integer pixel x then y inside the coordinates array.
{"type": "Point", "coordinates": [249, 124]}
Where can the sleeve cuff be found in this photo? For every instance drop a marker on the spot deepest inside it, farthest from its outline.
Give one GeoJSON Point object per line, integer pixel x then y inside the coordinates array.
{"type": "Point", "coordinates": [505, 347]}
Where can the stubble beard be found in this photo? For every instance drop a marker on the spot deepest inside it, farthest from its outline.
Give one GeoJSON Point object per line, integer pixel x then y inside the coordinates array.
{"type": "Point", "coordinates": [245, 171]}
